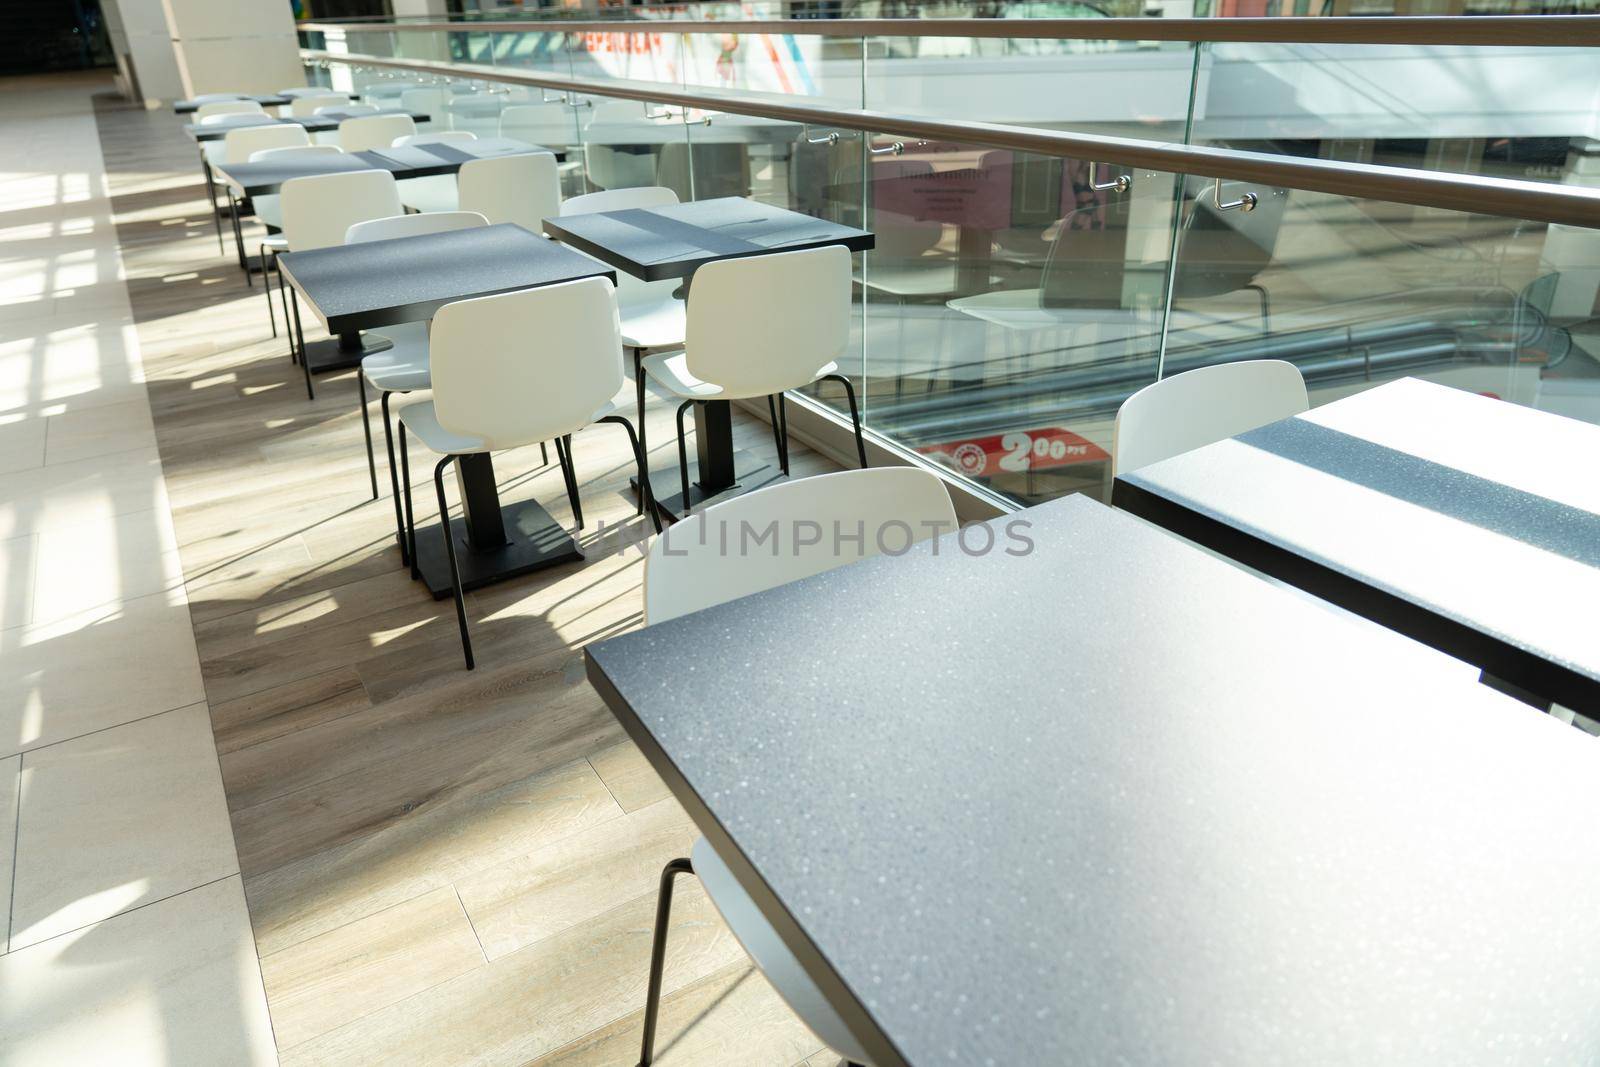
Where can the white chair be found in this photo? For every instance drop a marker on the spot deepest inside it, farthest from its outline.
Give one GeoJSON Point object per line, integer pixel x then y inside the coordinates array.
{"type": "Point", "coordinates": [493, 391]}
{"type": "Point", "coordinates": [240, 146]}
{"type": "Point", "coordinates": [686, 570]}
{"type": "Point", "coordinates": [1195, 408]}
{"type": "Point", "coordinates": [553, 124]}
{"type": "Point", "coordinates": [523, 189]}
{"type": "Point", "coordinates": [348, 110]}
{"type": "Point", "coordinates": [651, 316]}
{"type": "Point", "coordinates": [403, 367]}
{"type": "Point", "coordinates": [232, 106]}
{"type": "Point", "coordinates": [305, 107]}
{"type": "Point", "coordinates": [212, 98]}
{"type": "Point", "coordinates": [269, 209]}
{"type": "Point", "coordinates": [436, 192]}
{"type": "Point", "coordinates": [757, 326]}
{"type": "Point", "coordinates": [317, 213]}
{"type": "Point", "coordinates": [366, 132]}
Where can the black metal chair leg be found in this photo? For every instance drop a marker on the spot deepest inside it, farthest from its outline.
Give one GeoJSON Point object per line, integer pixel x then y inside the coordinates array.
{"type": "Point", "coordinates": [570, 470]}
{"type": "Point", "coordinates": [216, 212]}
{"type": "Point", "coordinates": [450, 553]}
{"type": "Point", "coordinates": [283, 295]}
{"type": "Point", "coordinates": [299, 332]}
{"type": "Point", "coordinates": [638, 388]}
{"type": "Point", "coordinates": [366, 428]}
{"type": "Point", "coordinates": [683, 457]}
{"type": "Point", "coordinates": [234, 210]}
{"type": "Point", "coordinates": [783, 437]}
{"type": "Point", "coordinates": [266, 284]}
{"type": "Point", "coordinates": [405, 481]}
{"type": "Point", "coordinates": [394, 483]}
{"type": "Point", "coordinates": [777, 434]}
{"type": "Point", "coordinates": [658, 955]}
{"type": "Point", "coordinates": [544, 454]}
{"type": "Point", "coordinates": [855, 414]}
{"type": "Point", "coordinates": [644, 475]}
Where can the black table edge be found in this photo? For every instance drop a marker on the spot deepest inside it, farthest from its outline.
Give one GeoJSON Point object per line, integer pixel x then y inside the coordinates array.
{"type": "Point", "coordinates": [402, 313]}
{"type": "Point", "coordinates": [1507, 663]}
{"type": "Point", "coordinates": [860, 1023]}
{"type": "Point", "coordinates": [861, 241]}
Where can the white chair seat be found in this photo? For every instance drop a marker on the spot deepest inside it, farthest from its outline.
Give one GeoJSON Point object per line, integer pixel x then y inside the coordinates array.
{"type": "Point", "coordinates": [269, 209]}
{"type": "Point", "coordinates": [420, 419]}
{"type": "Point", "coordinates": [911, 280]}
{"type": "Point", "coordinates": [404, 367]}
{"type": "Point", "coordinates": [771, 955]}
{"type": "Point", "coordinates": [213, 151]}
{"type": "Point", "coordinates": [275, 243]}
{"type": "Point", "coordinates": [671, 369]}
{"type": "Point", "coordinates": [655, 325]}
{"type": "Point", "coordinates": [434, 193]}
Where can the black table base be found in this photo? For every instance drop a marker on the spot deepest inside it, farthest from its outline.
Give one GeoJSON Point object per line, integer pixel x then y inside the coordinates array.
{"type": "Point", "coordinates": [346, 350]}
{"type": "Point", "coordinates": [494, 542]}
{"type": "Point", "coordinates": [534, 540]}
{"type": "Point", "coordinates": [666, 485]}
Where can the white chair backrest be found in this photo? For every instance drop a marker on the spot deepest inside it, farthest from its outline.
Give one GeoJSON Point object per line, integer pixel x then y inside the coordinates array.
{"type": "Point", "coordinates": [631, 291]}
{"type": "Point", "coordinates": [429, 102]}
{"type": "Point", "coordinates": [239, 145]}
{"type": "Point", "coordinates": [1195, 408]}
{"type": "Point", "coordinates": [440, 137]}
{"type": "Point", "coordinates": [762, 324]}
{"type": "Point", "coordinates": [306, 149]}
{"type": "Point", "coordinates": [790, 531]}
{"type": "Point", "coordinates": [319, 210]}
{"type": "Point", "coordinates": [302, 107]}
{"type": "Point", "coordinates": [546, 124]}
{"type": "Point", "coordinates": [524, 189]}
{"type": "Point", "coordinates": [212, 98]}
{"type": "Point", "coordinates": [227, 107]}
{"type": "Point", "coordinates": [490, 383]}
{"type": "Point", "coordinates": [348, 109]}
{"type": "Point", "coordinates": [373, 131]}
{"type": "Point", "coordinates": [413, 225]}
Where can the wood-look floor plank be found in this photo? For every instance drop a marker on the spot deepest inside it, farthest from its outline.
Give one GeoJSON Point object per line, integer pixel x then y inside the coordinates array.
{"type": "Point", "coordinates": [568, 882]}
{"type": "Point", "coordinates": [287, 709]}
{"type": "Point", "coordinates": [629, 776]}
{"type": "Point", "coordinates": [340, 976]}
{"type": "Point", "coordinates": [563, 987]}
{"type": "Point", "coordinates": [731, 1018]}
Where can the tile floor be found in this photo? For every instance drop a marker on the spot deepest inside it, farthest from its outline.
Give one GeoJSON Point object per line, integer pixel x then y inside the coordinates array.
{"type": "Point", "coordinates": [124, 935]}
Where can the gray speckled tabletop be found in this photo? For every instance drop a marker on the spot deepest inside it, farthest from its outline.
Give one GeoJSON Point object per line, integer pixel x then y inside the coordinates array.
{"type": "Point", "coordinates": [408, 279]}
{"type": "Point", "coordinates": [1116, 801]}
{"type": "Point", "coordinates": [1466, 522]}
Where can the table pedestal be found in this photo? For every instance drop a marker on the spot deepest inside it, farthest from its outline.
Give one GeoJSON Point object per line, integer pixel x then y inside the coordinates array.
{"type": "Point", "coordinates": [717, 469]}
{"type": "Point", "coordinates": [496, 542]}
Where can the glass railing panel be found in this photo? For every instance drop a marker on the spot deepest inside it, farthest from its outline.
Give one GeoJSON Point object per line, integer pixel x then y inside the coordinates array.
{"type": "Point", "coordinates": [770, 162]}
{"type": "Point", "coordinates": [1520, 112]}
{"type": "Point", "coordinates": [1121, 88]}
{"type": "Point", "coordinates": [1359, 292]}
{"type": "Point", "coordinates": [532, 51]}
{"type": "Point", "coordinates": [1010, 306]}
{"type": "Point", "coordinates": [824, 71]}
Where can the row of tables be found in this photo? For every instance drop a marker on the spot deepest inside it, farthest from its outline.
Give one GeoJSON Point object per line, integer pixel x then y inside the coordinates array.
{"type": "Point", "coordinates": [1100, 796]}
{"type": "Point", "coordinates": [384, 283]}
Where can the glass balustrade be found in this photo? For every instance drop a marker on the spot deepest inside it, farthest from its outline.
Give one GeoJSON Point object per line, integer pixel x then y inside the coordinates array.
{"type": "Point", "coordinates": [1014, 300]}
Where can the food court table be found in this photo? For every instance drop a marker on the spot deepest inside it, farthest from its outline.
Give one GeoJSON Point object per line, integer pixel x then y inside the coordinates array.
{"type": "Point", "coordinates": [1114, 800]}
{"type": "Point", "coordinates": [382, 283]}
{"type": "Point", "coordinates": [673, 242]}
{"type": "Point", "coordinates": [189, 107]}
{"type": "Point", "coordinates": [1467, 523]}
{"type": "Point", "coordinates": [323, 123]}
